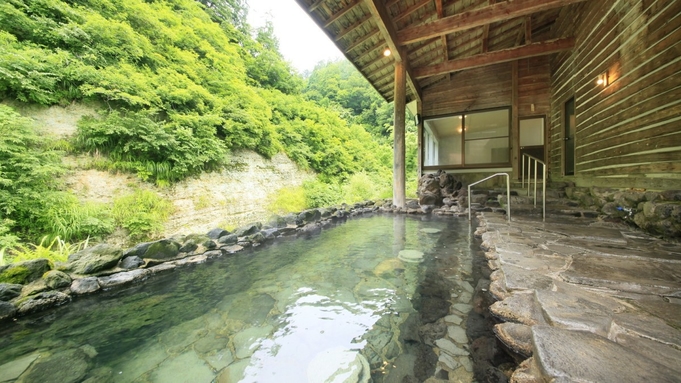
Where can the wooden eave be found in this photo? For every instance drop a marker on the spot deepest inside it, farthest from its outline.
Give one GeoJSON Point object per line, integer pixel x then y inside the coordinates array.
{"type": "Point", "coordinates": [435, 38]}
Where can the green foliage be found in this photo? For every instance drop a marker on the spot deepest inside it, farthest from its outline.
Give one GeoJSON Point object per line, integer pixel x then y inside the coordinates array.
{"type": "Point", "coordinates": [142, 213]}
{"type": "Point", "coordinates": [57, 250]}
{"type": "Point", "coordinates": [17, 275]}
{"type": "Point", "coordinates": [287, 200]}
{"type": "Point", "coordinates": [362, 187]}
{"type": "Point", "coordinates": [66, 218]}
{"type": "Point", "coordinates": [28, 172]}
{"type": "Point", "coordinates": [321, 194]}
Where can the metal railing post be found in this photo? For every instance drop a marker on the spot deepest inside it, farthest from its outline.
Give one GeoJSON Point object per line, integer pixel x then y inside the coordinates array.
{"type": "Point", "coordinates": [533, 160]}
{"type": "Point", "coordinates": [508, 193]}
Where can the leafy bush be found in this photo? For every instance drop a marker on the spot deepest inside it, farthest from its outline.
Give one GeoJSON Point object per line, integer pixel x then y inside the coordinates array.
{"type": "Point", "coordinates": [287, 200]}
{"type": "Point", "coordinates": [66, 218]}
{"type": "Point", "coordinates": [362, 187]}
{"type": "Point", "coordinates": [320, 194]}
{"type": "Point", "coordinates": [142, 213]}
{"type": "Point", "coordinates": [56, 251]}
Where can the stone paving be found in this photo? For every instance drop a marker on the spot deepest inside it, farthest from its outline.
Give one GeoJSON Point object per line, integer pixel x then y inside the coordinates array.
{"type": "Point", "coordinates": [584, 300]}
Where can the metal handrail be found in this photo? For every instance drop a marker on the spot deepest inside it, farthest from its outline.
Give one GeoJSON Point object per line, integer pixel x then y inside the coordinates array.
{"type": "Point", "coordinates": [536, 161]}
{"type": "Point", "coordinates": [508, 194]}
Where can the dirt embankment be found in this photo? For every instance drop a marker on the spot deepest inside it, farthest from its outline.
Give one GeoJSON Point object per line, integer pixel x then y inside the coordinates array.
{"type": "Point", "coordinates": [235, 196]}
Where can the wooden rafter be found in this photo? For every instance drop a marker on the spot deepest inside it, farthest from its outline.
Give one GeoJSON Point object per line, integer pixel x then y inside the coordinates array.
{"type": "Point", "coordinates": [380, 13]}
{"type": "Point", "coordinates": [352, 27]}
{"type": "Point", "coordinates": [411, 10]}
{"type": "Point", "coordinates": [528, 30]}
{"type": "Point", "coordinates": [504, 55]}
{"type": "Point", "coordinates": [441, 14]}
{"type": "Point", "coordinates": [485, 32]}
{"type": "Point", "coordinates": [478, 17]}
{"type": "Point", "coordinates": [390, 3]}
{"type": "Point", "coordinates": [341, 13]}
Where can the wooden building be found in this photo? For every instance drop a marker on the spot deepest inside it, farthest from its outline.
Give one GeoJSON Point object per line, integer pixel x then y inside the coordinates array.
{"type": "Point", "coordinates": [593, 87]}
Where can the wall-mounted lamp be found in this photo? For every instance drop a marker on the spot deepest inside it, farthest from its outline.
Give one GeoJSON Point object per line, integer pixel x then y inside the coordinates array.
{"type": "Point", "coordinates": [387, 52]}
{"type": "Point", "coordinates": [418, 119]}
{"type": "Point", "coordinates": [603, 79]}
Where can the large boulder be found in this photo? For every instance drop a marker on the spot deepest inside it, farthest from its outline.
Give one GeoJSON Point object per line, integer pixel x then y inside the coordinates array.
{"type": "Point", "coordinates": [193, 241]}
{"type": "Point", "coordinates": [429, 190]}
{"type": "Point", "coordinates": [43, 301]}
{"type": "Point", "coordinates": [162, 250]}
{"type": "Point", "coordinates": [24, 272]}
{"type": "Point", "coordinates": [85, 285]}
{"type": "Point", "coordinates": [9, 291]}
{"type": "Point", "coordinates": [7, 310]}
{"type": "Point", "coordinates": [94, 259]}
{"type": "Point", "coordinates": [217, 233]}
{"type": "Point", "coordinates": [248, 229]}
{"type": "Point", "coordinates": [68, 366]}
{"type": "Point", "coordinates": [310, 215]}
{"type": "Point", "coordinates": [55, 279]}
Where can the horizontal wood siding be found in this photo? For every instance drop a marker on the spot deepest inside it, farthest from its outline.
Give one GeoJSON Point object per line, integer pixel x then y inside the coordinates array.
{"type": "Point", "coordinates": [534, 86]}
{"type": "Point", "coordinates": [628, 133]}
{"type": "Point", "coordinates": [474, 89]}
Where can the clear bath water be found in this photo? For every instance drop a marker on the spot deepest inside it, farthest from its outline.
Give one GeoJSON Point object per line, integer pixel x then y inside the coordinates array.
{"type": "Point", "coordinates": [325, 308]}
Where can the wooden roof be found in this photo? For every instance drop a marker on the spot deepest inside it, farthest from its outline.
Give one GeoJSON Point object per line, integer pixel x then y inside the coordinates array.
{"type": "Point", "coordinates": [436, 37]}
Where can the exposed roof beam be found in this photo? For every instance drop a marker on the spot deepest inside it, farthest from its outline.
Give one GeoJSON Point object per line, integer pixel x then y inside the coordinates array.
{"type": "Point", "coordinates": [314, 6]}
{"type": "Point", "coordinates": [340, 14]}
{"type": "Point", "coordinates": [380, 13]}
{"type": "Point", "coordinates": [504, 55]}
{"type": "Point", "coordinates": [390, 3]}
{"type": "Point", "coordinates": [528, 30]}
{"type": "Point", "coordinates": [361, 40]}
{"type": "Point", "coordinates": [478, 17]}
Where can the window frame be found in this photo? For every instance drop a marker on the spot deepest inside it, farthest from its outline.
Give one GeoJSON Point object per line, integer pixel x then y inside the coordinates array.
{"type": "Point", "coordinates": [463, 165]}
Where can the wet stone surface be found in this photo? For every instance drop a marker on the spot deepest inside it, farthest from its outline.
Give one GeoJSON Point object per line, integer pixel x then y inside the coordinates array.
{"type": "Point", "coordinates": [584, 300]}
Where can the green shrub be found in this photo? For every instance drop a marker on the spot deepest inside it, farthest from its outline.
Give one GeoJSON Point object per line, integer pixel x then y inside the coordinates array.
{"type": "Point", "coordinates": [57, 250]}
{"type": "Point", "coordinates": [67, 218]}
{"type": "Point", "coordinates": [142, 213]}
{"type": "Point", "coordinates": [320, 194]}
{"type": "Point", "coordinates": [363, 186]}
{"type": "Point", "coordinates": [287, 200]}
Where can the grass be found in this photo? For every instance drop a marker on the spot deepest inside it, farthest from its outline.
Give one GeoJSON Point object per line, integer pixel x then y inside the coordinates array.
{"type": "Point", "coordinates": [57, 250]}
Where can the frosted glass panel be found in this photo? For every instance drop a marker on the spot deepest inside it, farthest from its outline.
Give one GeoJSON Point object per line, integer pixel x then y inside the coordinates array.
{"type": "Point", "coordinates": [487, 151]}
{"type": "Point", "coordinates": [487, 124]}
{"type": "Point", "coordinates": [442, 141]}
{"type": "Point", "coordinates": [532, 132]}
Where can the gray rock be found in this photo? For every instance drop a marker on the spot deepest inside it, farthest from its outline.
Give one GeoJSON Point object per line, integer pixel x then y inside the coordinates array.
{"type": "Point", "coordinates": [277, 221]}
{"type": "Point", "coordinates": [192, 242]}
{"type": "Point", "coordinates": [42, 301]}
{"type": "Point", "coordinates": [231, 249]}
{"type": "Point", "coordinates": [56, 279]}
{"type": "Point", "coordinates": [91, 260]}
{"type": "Point", "coordinates": [162, 250]}
{"type": "Point", "coordinates": [228, 239]}
{"type": "Point", "coordinates": [217, 233]}
{"type": "Point", "coordinates": [123, 278]}
{"type": "Point", "coordinates": [9, 291]}
{"type": "Point", "coordinates": [310, 215]}
{"type": "Point", "coordinates": [24, 272]}
{"type": "Point", "coordinates": [34, 288]}
{"type": "Point", "coordinates": [7, 310]}
{"type": "Point", "coordinates": [256, 238]}
{"type": "Point", "coordinates": [597, 360]}
{"type": "Point", "coordinates": [137, 250]}
{"type": "Point", "coordinates": [248, 229]}
{"type": "Point", "coordinates": [248, 341]}
{"type": "Point", "coordinates": [131, 262]}
{"type": "Point", "coordinates": [450, 348]}
{"type": "Point", "coordinates": [517, 337]}
{"type": "Point", "coordinates": [64, 367]}
{"type": "Point", "coordinates": [85, 285]}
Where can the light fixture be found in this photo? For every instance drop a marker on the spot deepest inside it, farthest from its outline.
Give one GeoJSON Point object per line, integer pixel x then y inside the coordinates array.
{"type": "Point", "coordinates": [386, 52]}
{"type": "Point", "coordinates": [603, 79]}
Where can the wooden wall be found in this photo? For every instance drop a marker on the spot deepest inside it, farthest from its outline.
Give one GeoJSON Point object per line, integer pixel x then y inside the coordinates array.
{"type": "Point", "coordinates": [628, 133]}
{"type": "Point", "coordinates": [474, 89]}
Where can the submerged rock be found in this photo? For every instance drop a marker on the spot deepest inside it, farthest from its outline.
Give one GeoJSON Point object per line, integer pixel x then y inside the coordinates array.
{"type": "Point", "coordinates": [94, 259]}
{"type": "Point", "coordinates": [64, 367]}
{"type": "Point", "coordinates": [338, 366]}
{"type": "Point", "coordinates": [13, 369]}
{"type": "Point", "coordinates": [412, 256]}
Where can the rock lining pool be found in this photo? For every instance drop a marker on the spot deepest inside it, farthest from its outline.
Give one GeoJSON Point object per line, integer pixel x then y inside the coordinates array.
{"type": "Point", "coordinates": [340, 306]}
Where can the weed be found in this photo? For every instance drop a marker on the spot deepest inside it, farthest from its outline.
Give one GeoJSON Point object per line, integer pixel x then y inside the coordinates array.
{"type": "Point", "coordinates": [142, 213]}
{"type": "Point", "coordinates": [287, 200]}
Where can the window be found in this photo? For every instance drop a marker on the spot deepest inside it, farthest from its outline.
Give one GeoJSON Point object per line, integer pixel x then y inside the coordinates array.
{"type": "Point", "coordinates": [477, 139]}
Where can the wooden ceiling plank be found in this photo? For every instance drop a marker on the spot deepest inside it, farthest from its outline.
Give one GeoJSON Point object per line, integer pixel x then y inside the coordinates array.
{"type": "Point", "coordinates": [364, 38]}
{"type": "Point", "coordinates": [314, 6]}
{"type": "Point", "coordinates": [341, 13]}
{"type": "Point", "coordinates": [390, 3]}
{"type": "Point", "coordinates": [380, 13]}
{"type": "Point", "coordinates": [478, 17]}
{"type": "Point", "coordinates": [528, 30]}
{"type": "Point", "coordinates": [411, 10]}
{"type": "Point", "coordinates": [489, 58]}
{"type": "Point", "coordinates": [352, 27]}
{"type": "Point", "coordinates": [438, 8]}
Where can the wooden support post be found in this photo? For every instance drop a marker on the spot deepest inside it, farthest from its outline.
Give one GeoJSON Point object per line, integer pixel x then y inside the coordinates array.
{"type": "Point", "coordinates": [419, 145]}
{"type": "Point", "coordinates": [515, 121]}
{"type": "Point", "coordinates": [399, 194]}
